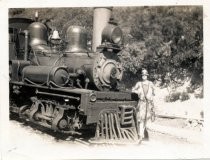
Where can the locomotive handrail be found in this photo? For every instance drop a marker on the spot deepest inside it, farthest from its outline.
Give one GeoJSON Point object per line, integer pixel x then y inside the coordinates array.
{"type": "Point", "coordinates": [66, 89]}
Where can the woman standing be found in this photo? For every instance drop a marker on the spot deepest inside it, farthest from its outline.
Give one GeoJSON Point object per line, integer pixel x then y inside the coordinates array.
{"type": "Point", "coordinates": [145, 91]}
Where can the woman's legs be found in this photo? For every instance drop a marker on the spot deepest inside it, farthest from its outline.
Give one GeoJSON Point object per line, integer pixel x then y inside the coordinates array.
{"type": "Point", "coordinates": [141, 130]}
{"type": "Point", "coordinates": [146, 134]}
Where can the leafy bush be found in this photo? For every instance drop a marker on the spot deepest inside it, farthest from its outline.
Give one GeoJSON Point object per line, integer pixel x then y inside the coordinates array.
{"type": "Point", "coordinates": [199, 93]}
{"type": "Point", "coordinates": [184, 96]}
{"type": "Point", "coordinates": [15, 11]}
{"type": "Point", "coordinates": [173, 97]}
{"type": "Point", "coordinates": [172, 38]}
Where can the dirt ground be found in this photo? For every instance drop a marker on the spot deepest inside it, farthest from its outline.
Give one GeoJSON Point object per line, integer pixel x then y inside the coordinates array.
{"type": "Point", "coordinates": [169, 138]}
{"type": "Point", "coordinates": [29, 143]}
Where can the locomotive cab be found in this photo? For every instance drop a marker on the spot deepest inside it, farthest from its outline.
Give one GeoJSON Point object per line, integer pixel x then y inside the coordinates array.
{"type": "Point", "coordinates": [16, 37]}
{"type": "Point", "coordinates": [13, 43]}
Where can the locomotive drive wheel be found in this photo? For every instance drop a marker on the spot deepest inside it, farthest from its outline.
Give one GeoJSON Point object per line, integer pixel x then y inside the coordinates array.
{"type": "Point", "coordinates": [116, 127]}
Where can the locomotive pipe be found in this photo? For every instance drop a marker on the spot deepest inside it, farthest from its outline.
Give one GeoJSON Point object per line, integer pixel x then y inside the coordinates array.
{"type": "Point", "coordinates": [26, 34]}
{"type": "Point", "coordinates": [87, 80]}
{"type": "Point", "coordinates": [26, 45]}
{"type": "Point", "coordinates": [100, 20]}
{"type": "Point", "coordinates": [36, 16]}
{"type": "Point", "coordinates": [78, 83]}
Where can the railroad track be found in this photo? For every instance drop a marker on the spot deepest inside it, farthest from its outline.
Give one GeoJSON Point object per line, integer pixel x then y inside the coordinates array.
{"type": "Point", "coordinates": [85, 140]}
{"type": "Point", "coordinates": [81, 140]}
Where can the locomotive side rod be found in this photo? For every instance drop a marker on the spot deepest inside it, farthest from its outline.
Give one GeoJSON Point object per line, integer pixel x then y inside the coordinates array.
{"type": "Point", "coordinates": [57, 95]}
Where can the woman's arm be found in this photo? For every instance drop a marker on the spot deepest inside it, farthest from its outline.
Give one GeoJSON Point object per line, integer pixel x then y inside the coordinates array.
{"type": "Point", "coordinates": [153, 88]}
{"type": "Point", "coordinates": [135, 88]}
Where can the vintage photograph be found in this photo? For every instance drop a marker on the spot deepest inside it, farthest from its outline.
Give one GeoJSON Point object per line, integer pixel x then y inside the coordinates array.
{"type": "Point", "coordinates": [111, 79]}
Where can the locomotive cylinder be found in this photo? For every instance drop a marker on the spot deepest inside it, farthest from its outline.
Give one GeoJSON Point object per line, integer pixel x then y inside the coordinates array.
{"type": "Point", "coordinates": [100, 20]}
{"type": "Point", "coordinates": [17, 67]}
{"type": "Point", "coordinates": [45, 75]}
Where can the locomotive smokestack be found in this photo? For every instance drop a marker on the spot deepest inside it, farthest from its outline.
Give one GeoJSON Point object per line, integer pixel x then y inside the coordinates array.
{"type": "Point", "coordinates": [100, 20]}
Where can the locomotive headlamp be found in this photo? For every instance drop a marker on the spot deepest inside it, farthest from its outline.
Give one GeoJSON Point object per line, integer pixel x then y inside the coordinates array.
{"type": "Point", "coordinates": [112, 33]}
{"type": "Point", "coordinates": [116, 35]}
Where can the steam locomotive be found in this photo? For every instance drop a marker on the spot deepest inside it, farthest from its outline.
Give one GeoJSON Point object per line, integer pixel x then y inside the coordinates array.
{"type": "Point", "coordinates": [74, 88]}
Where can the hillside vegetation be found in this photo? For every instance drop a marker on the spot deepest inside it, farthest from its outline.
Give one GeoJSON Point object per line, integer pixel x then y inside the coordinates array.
{"type": "Point", "coordinates": [168, 41]}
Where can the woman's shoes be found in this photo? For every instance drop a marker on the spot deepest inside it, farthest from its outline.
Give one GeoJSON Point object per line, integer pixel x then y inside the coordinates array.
{"type": "Point", "coordinates": [139, 141]}
{"type": "Point", "coordinates": [146, 135]}
{"type": "Point", "coordinates": [145, 139]}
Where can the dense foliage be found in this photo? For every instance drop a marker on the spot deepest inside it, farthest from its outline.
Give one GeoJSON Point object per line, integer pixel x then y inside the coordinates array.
{"type": "Point", "coordinates": [168, 41]}
{"type": "Point", "coordinates": [59, 18]}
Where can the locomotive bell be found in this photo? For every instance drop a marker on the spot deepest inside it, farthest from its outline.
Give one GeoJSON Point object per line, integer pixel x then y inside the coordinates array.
{"type": "Point", "coordinates": [55, 35]}
{"type": "Point", "coordinates": [38, 34]}
{"type": "Point", "coordinates": [76, 38]}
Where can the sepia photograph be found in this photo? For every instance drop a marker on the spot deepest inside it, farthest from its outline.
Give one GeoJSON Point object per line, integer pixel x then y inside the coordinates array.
{"type": "Point", "coordinates": [105, 82]}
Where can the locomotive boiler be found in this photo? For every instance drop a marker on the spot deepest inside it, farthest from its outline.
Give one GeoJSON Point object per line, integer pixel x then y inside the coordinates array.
{"type": "Point", "coordinates": [73, 88]}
